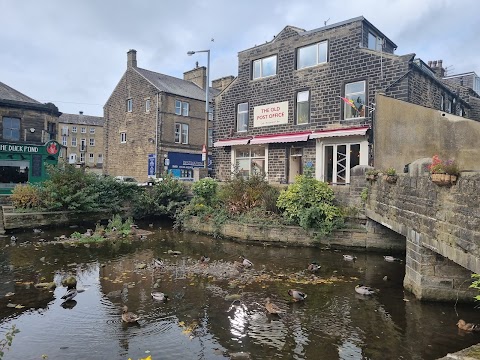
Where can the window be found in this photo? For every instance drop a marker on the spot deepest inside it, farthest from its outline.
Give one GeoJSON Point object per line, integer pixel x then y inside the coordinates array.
{"type": "Point", "coordinates": [375, 42]}
{"type": "Point", "coordinates": [82, 158]}
{"type": "Point", "coordinates": [83, 144]}
{"type": "Point", "coordinates": [92, 131]}
{"type": "Point", "coordinates": [74, 129]}
{"type": "Point", "coordinates": [250, 161]}
{"type": "Point", "coordinates": [210, 137]}
{"type": "Point", "coordinates": [64, 131]}
{"type": "Point", "coordinates": [242, 117]}
{"type": "Point", "coordinates": [476, 85]}
{"type": "Point", "coordinates": [123, 137]}
{"type": "Point", "coordinates": [303, 107]}
{"type": "Point", "coordinates": [265, 67]}
{"type": "Point", "coordinates": [442, 103]}
{"type": "Point", "coordinates": [11, 128]}
{"type": "Point", "coordinates": [181, 133]}
{"type": "Point", "coordinates": [449, 106]}
{"type": "Point", "coordinates": [339, 159]}
{"type": "Point", "coordinates": [84, 130]}
{"type": "Point", "coordinates": [91, 158]}
{"type": "Point", "coordinates": [129, 105]}
{"type": "Point", "coordinates": [64, 140]}
{"type": "Point", "coordinates": [210, 112]}
{"type": "Point", "coordinates": [147, 105]}
{"type": "Point", "coordinates": [181, 108]}
{"type": "Point", "coordinates": [355, 94]}
{"type": "Point", "coordinates": [74, 141]}
{"type": "Point", "coordinates": [92, 142]}
{"type": "Point", "coordinates": [100, 158]}
{"type": "Point", "coordinates": [312, 55]}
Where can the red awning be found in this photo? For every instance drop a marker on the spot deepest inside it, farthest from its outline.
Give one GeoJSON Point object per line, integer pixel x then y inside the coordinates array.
{"type": "Point", "coordinates": [339, 132]}
{"type": "Point", "coordinates": [230, 142]}
{"type": "Point", "coordinates": [280, 138]}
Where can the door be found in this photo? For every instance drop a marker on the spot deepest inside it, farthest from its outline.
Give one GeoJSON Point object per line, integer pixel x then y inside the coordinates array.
{"type": "Point", "coordinates": [72, 159]}
{"type": "Point", "coordinates": [294, 164]}
{"type": "Point", "coordinates": [338, 160]}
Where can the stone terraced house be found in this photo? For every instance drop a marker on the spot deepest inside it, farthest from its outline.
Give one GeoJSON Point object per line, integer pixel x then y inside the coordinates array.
{"type": "Point", "coordinates": [156, 122]}
{"type": "Point", "coordinates": [306, 99]}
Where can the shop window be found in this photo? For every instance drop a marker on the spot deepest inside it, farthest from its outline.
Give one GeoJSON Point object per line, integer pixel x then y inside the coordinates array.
{"type": "Point", "coordinates": [339, 159]}
{"type": "Point", "coordinates": [250, 161]}
{"type": "Point", "coordinates": [181, 133]}
{"type": "Point", "coordinates": [11, 128]}
{"type": "Point", "coordinates": [354, 101]}
{"type": "Point", "coordinates": [303, 107]}
{"type": "Point", "coordinates": [242, 117]}
{"type": "Point", "coordinates": [13, 172]}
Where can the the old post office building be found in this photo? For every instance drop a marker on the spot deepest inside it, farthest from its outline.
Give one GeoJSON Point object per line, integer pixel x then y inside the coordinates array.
{"type": "Point", "coordinates": [307, 99]}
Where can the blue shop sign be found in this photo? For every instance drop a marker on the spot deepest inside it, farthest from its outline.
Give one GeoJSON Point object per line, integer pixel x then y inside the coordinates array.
{"type": "Point", "coordinates": [186, 161]}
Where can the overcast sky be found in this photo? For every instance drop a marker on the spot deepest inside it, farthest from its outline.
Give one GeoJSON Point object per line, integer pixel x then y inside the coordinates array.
{"type": "Point", "coordinates": [73, 52]}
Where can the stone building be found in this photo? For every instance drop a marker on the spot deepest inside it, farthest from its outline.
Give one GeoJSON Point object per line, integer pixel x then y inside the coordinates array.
{"type": "Point", "coordinates": [27, 130]}
{"type": "Point", "coordinates": [155, 123]}
{"type": "Point", "coordinates": [307, 99]}
{"type": "Point", "coordinates": [82, 136]}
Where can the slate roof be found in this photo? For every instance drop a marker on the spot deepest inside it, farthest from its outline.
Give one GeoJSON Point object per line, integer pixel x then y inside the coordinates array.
{"type": "Point", "coordinates": [8, 93]}
{"type": "Point", "coordinates": [81, 119]}
{"type": "Point", "coordinates": [176, 86]}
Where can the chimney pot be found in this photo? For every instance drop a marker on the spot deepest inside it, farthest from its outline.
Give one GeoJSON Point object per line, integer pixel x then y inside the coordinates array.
{"type": "Point", "coordinates": [132, 58]}
{"type": "Point", "coordinates": [430, 63]}
{"type": "Point", "coordinates": [434, 63]}
{"type": "Point", "coordinates": [440, 62]}
{"type": "Point", "coordinates": [80, 112]}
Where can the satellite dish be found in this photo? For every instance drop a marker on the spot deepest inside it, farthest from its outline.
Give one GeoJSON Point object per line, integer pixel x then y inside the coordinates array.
{"type": "Point", "coordinates": [32, 130]}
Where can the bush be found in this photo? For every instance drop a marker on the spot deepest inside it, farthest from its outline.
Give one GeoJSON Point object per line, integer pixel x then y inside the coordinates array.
{"type": "Point", "coordinates": [206, 189]}
{"type": "Point", "coordinates": [309, 203]}
{"type": "Point", "coordinates": [163, 198]}
{"type": "Point", "coordinates": [26, 196]}
{"type": "Point", "coordinates": [390, 171]}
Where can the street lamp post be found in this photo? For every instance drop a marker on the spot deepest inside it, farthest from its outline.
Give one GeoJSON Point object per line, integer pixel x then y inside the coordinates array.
{"type": "Point", "coordinates": [205, 161]}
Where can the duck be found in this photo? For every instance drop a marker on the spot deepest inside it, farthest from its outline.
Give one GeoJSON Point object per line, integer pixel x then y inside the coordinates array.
{"type": "Point", "coordinates": [272, 308]}
{"type": "Point", "coordinates": [238, 266]}
{"type": "Point", "coordinates": [364, 290]}
{"type": "Point", "coordinates": [13, 238]}
{"type": "Point", "coordinates": [129, 317]}
{"type": "Point", "coordinates": [157, 263]}
{"type": "Point", "coordinates": [467, 326]}
{"type": "Point", "coordinates": [204, 259]}
{"type": "Point", "coordinates": [37, 231]}
{"type": "Point", "coordinates": [349, 257]}
{"type": "Point", "coordinates": [159, 296]}
{"type": "Point", "coordinates": [246, 263]}
{"type": "Point", "coordinates": [391, 258]}
{"type": "Point", "coordinates": [297, 295]}
{"type": "Point", "coordinates": [313, 267]}
{"type": "Point", "coordinates": [70, 294]}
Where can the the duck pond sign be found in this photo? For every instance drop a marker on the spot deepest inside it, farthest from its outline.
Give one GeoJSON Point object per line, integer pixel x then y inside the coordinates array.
{"type": "Point", "coordinates": [21, 163]}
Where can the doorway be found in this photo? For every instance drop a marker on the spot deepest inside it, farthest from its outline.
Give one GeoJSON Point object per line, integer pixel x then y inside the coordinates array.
{"type": "Point", "coordinates": [294, 164]}
{"type": "Point", "coordinates": [339, 159]}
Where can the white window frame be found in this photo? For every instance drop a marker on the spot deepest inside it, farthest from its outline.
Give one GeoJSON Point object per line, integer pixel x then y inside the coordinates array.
{"type": "Point", "coordinates": [74, 129]}
{"type": "Point", "coordinates": [378, 46]}
{"type": "Point", "coordinates": [448, 108]}
{"type": "Point", "coordinates": [64, 130]}
{"type": "Point", "coordinates": [147, 105]}
{"type": "Point", "coordinates": [240, 116]}
{"type": "Point", "coordinates": [185, 108]}
{"type": "Point", "coordinates": [320, 48]}
{"type": "Point", "coordinates": [74, 141]}
{"type": "Point", "coordinates": [82, 157]}
{"type": "Point", "coordinates": [83, 145]}
{"type": "Point", "coordinates": [182, 108]}
{"type": "Point", "coordinates": [261, 62]}
{"type": "Point", "coordinates": [181, 133]}
{"type": "Point", "coordinates": [83, 130]}
{"type": "Point", "coordinates": [100, 159]}
{"type": "Point", "coordinates": [300, 96]}
{"type": "Point", "coordinates": [129, 105]}
{"type": "Point", "coordinates": [253, 154]}
{"type": "Point", "coordinates": [210, 112]}
{"type": "Point", "coordinates": [64, 140]}
{"type": "Point", "coordinates": [91, 158]}
{"type": "Point", "coordinates": [353, 96]}
{"type": "Point", "coordinates": [92, 131]}
{"type": "Point", "coordinates": [92, 142]}
{"type": "Point", "coordinates": [123, 138]}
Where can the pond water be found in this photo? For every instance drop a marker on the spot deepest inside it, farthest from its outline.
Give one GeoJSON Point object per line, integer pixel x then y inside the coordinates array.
{"type": "Point", "coordinates": [201, 320]}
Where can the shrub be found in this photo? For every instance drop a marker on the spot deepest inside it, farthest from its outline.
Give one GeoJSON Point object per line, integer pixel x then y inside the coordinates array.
{"type": "Point", "coordinates": [439, 166]}
{"type": "Point", "coordinates": [373, 172]}
{"type": "Point", "coordinates": [26, 196]}
{"type": "Point", "coordinates": [309, 203]}
{"type": "Point", "coordinates": [206, 189]}
{"type": "Point", "coordinates": [390, 171]}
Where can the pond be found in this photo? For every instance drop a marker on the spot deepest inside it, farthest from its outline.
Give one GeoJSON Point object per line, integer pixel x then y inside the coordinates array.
{"type": "Point", "coordinates": [214, 311]}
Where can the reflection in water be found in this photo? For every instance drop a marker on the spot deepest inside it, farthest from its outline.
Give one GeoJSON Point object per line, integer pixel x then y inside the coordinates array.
{"type": "Point", "coordinates": [209, 317]}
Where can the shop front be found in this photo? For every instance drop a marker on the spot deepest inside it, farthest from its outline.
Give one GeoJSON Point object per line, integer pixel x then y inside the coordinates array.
{"type": "Point", "coordinates": [22, 163]}
{"type": "Point", "coordinates": [181, 165]}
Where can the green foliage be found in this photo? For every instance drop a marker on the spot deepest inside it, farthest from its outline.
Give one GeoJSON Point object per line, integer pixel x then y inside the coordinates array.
{"type": "Point", "coordinates": [390, 171]}
{"type": "Point", "coordinates": [76, 235]}
{"type": "Point", "coordinates": [7, 341]}
{"type": "Point", "coordinates": [163, 198]}
{"type": "Point", "coordinates": [373, 172]}
{"type": "Point", "coordinates": [364, 195]}
{"type": "Point", "coordinates": [26, 196]}
{"type": "Point", "coordinates": [206, 189]}
{"type": "Point", "coordinates": [116, 223]}
{"type": "Point", "coordinates": [476, 284]}
{"type": "Point", "coordinates": [309, 203]}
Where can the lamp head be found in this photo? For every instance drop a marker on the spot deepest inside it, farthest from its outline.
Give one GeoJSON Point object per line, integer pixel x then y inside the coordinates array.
{"type": "Point", "coordinates": [190, 53]}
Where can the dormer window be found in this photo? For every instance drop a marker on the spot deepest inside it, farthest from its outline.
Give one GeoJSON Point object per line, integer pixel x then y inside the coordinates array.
{"type": "Point", "coordinates": [312, 55]}
{"type": "Point", "coordinates": [375, 42]}
{"type": "Point", "coordinates": [265, 67]}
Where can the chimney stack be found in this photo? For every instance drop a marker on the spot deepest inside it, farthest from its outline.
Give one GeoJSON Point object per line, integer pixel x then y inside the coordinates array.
{"type": "Point", "coordinates": [222, 83]}
{"type": "Point", "coordinates": [437, 67]}
{"type": "Point", "coordinates": [430, 63]}
{"type": "Point", "coordinates": [198, 76]}
{"type": "Point", "coordinates": [132, 58]}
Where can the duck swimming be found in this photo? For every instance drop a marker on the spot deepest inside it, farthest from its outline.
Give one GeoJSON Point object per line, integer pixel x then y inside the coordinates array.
{"type": "Point", "coordinates": [349, 258]}
{"type": "Point", "coordinates": [204, 259]}
{"type": "Point", "coordinates": [313, 267]}
{"type": "Point", "coordinates": [272, 308]}
{"type": "Point", "coordinates": [364, 290]}
{"type": "Point", "coordinates": [157, 263]}
{"type": "Point", "coordinates": [129, 317]}
{"type": "Point", "coordinates": [246, 263]}
{"type": "Point", "coordinates": [391, 258]}
{"type": "Point", "coordinates": [70, 294]}
{"type": "Point", "coordinates": [297, 295]}
{"type": "Point", "coordinates": [159, 296]}
{"type": "Point", "coordinates": [467, 326]}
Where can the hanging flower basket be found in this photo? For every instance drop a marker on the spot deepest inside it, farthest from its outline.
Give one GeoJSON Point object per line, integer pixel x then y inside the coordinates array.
{"type": "Point", "coordinates": [391, 179]}
{"type": "Point", "coordinates": [371, 177]}
{"type": "Point", "coordinates": [444, 179]}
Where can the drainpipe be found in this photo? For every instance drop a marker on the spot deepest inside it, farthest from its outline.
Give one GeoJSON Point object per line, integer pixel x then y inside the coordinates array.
{"type": "Point", "coordinates": [156, 140]}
